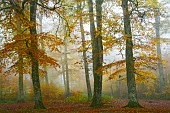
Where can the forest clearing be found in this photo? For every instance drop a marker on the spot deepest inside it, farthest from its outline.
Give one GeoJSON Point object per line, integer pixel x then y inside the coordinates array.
{"type": "Point", "coordinates": [85, 56]}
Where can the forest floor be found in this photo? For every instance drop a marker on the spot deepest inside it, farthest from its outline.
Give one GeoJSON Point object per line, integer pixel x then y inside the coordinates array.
{"type": "Point", "coordinates": [150, 106]}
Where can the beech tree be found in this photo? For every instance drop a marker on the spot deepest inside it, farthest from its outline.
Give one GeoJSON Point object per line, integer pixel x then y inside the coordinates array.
{"type": "Point", "coordinates": [86, 69]}
{"type": "Point", "coordinates": [24, 52]}
{"type": "Point", "coordinates": [132, 93]}
{"type": "Point", "coordinates": [34, 59]}
{"type": "Point", "coordinates": [66, 66]}
{"type": "Point", "coordinates": [20, 67]}
{"type": "Point", "coordinates": [97, 50]}
{"type": "Point", "coordinates": [28, 42]}
{"type": "Point", "coordinates": [159, 53]}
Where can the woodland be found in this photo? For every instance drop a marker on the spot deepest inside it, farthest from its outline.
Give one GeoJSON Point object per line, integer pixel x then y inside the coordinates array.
{"type": "Point", "coordinates": [84, 56]}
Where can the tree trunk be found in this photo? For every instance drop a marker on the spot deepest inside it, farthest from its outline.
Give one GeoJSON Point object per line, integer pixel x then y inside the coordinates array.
{"type": "Point", "coordinates": [159, 54]}
{"type": "Point", "coordinates": [84, 53]}
{"type": "Point", "coordinates": [66, 64]}
{"type": "Point", "coordinates": [97, 55]}
{"type": "Point", "coordinates": [1, 98]}
{"type": "Point", "coordinates": [46, 81]}
{"type": "Point", "coordinates": [34, 58]}
{"type": "Point", "coordinates": [132, 93]}
{"type": "Point", "coordinates": [20, 68]}
{"type": "Point", "coordinates": [64, 75]}
{"type": "Point", "coordinates": [21, 86]}
{"type": "Point", "coordinates": [119, 89]}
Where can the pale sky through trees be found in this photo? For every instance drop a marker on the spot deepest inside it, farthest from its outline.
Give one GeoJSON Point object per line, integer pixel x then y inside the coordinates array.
{"type": "Point", "coordinates": [50, 24]}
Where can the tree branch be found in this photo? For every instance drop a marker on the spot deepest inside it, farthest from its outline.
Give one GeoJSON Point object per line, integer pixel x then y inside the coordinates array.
{"type": "Point", "coordinates": [1, 9]}
{"type": "Point", "coordinates": [23, 3]}
{"type": "Point", "coordinates": [49, 8]}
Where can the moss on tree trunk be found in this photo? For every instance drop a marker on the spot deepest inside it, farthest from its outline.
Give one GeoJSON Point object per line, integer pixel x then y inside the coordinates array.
{"type": "Point", "coordinates": [97, 51]}
{"type": "Point", "coordinates": [131, 84]}
{"type": "Point", "coordinates": [34, 58]}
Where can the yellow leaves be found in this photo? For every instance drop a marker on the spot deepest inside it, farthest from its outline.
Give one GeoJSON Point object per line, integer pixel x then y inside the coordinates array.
{"type": "Point", "coordinates": [152, 3]}
{"type": "Point", "coordinates": [155, 41]}
{"type": "Point", "coordinates": [147, 93]}
{"type": "Point", "coordinates": [119, 69]}
{"type": "Point", "coordinates": [109, 42]}
{"type": "Point", "coordinates": [42, 72]}
{"type": "Point", "coordinates": [143, 47]}
{"type": "Point", "coordinates": [19, 47]}
{"type": "Point", "coordinates": [151, 59]}
{"type": "Point", "coordinates": [19, 37]}
{"type": "Point", "coordinates": [71, 27]}
{"type": "Point", "coordinates": [142, 64]}
{"type": "Point", "coordinates": [142, 54]}
{"type": "Point", "coordinates": [119, 2]}
{"type": "Point", "coordinates": [127, 37]}
{"type": "Point", "coordinates": [51, 41]}
{"type": "Point", "coordinates": [119, 63]}
{"type": "Point", "coordinates": [45, 60]}
{"type": "Point", "coordinates": [144, 75]}
{"type": "Point", "coordinates": [86, 46]}
{"type": "Point", "coordinates": [117, 73]}
{"type": "Point", "coordinates": [81, 49]}
{"type": "Point", "coordinates": [146, 63]}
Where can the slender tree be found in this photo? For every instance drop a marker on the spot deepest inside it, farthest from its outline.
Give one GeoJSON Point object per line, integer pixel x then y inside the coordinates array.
{"type": "Point", "coordinates": [131, 84]}
{"type": "Point", "coordinates": [97, 49]}
{"type": "Point", "coordinates": [79, 7]}
{"type": "Point", "coordinates": [63, 72]}
{"type": "Point", "coordinates": [66, 66]}
{"type": "Point", "coordinates": [20, 68]}
{"type": "Point", "coordinates": [21, 84]}
{"type": "Point", "coordinates": [159, 53]}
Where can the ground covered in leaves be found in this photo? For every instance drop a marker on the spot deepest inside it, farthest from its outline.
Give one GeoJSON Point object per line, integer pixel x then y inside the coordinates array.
{"type": "Point", "coordinates": [151, 106]}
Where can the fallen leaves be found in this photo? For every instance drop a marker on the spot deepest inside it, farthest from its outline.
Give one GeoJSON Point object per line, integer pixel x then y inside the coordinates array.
{"type": "Point", "coordinates": [151, 106]}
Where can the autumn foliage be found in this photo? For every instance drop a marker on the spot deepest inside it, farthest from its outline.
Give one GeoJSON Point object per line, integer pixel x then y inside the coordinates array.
{"type": "Point", "coordinates": [68, 47]}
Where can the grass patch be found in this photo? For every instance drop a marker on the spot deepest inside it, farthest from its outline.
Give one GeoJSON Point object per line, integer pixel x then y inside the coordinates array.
{"type": "Point", "coordinates": [76, 99]}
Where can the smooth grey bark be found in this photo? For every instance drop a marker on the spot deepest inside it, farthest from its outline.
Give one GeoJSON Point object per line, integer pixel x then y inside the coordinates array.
{"type": "Point", "coordinates": [131, 84]}
{"type": "Point", "coordinates": [34, 59]}
{"type": "Point", "coordinates": [84, 52]}
{"type": "Point", "coordinates": [64, 74]}
{"type": "Point", "coordinates": [159, 54]}
{"type": "Point", "coordinates": [97, 49]}
{"type": "Point", "coordinates": [66, 66]}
